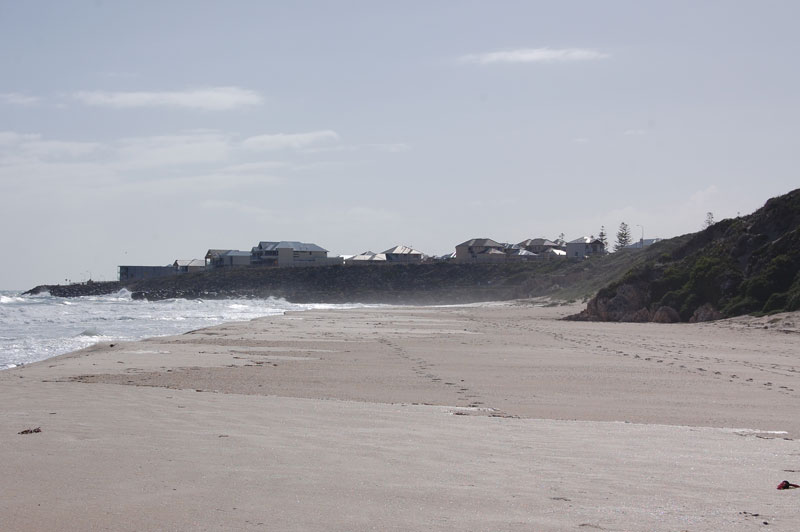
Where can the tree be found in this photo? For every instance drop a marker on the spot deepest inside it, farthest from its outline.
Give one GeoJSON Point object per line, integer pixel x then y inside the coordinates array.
{"type": "Point", "coordinates": [709, 220]}
{"type": "Point", "coordinates": [603, 237]}
{"type": "Point", "coordinates": [623, 236]}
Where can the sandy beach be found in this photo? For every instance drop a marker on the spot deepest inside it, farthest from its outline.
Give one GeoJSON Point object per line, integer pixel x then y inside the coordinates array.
{"type": "Point", "coordinates": [497, 417]}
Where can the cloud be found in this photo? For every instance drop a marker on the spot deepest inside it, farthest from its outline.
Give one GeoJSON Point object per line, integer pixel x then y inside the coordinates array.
{"type": "Point", "coordinates": [397, 147]}
{"type": "Point", "coordinates": [15, 98]}
{"type": "Point", "coordinates": [25, 146]}
{"type": "Point", "coordinates": [12, 137]}
{"type": "Point", "coordinates": [634, 132]}
{"type": "Point", "coordinates": [57, 149]}
{"type": "Point", "coordinates": [282, 141]}
{"type": "Point", "coordinates": [534, 55]}
{"type": "Point", "coordinates": [192, 147]}
{"type": "Point", "coordinates": [208, 99]}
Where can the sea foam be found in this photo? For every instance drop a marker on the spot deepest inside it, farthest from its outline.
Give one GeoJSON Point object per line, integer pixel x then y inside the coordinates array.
{"type": "Point", "coordinates": [34, 328]}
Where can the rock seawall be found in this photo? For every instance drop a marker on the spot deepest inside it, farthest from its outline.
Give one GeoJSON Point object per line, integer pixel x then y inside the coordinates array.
{"type": "Point", "coordinates": [404, 284]}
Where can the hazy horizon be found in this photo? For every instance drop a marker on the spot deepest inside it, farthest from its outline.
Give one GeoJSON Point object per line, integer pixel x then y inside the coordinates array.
{"type": "Point", "coordinates": [141, 133]}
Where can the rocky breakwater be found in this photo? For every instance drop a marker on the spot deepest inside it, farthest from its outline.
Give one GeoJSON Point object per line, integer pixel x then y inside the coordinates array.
{"type": "Point", "coordinates": [400, 284]}
{"type": "Point", "coordinates": [89, 288]}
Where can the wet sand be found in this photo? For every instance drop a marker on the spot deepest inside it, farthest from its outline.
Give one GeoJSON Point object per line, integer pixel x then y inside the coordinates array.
{"type": "Point", "coordinates": [494, 417]}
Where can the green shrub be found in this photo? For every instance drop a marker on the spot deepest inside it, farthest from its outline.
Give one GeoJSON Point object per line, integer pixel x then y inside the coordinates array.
{"type": "Point", "coordinates": [775, 303]}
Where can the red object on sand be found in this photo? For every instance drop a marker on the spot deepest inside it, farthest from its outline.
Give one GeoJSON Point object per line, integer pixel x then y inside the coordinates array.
{"type": "Point", "coordinates": [786, 485]}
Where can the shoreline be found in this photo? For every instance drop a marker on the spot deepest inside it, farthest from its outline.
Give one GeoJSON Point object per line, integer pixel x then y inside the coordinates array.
{"type": "Point", "coordinates": [410, 418]}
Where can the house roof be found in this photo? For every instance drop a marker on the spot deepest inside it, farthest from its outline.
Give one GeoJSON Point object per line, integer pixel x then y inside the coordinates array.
{"type": "Point", "coordinates": [537, 242]}
{"type": "Point", "coordinates": [402, 250]}
{"type": "Point", "coordinates": [216, 252]}
{"type": "Point", "coordinates": [481, 242]}
{"type": "Point", "coordinates": [189, 262]}
{"type": "Point", "coordinates": [553, 251]}
{"type": "Point", "coordinates": [584, 240]}
{"type": "Point", "coordinates": [236, 253]}
{"type": "Point", "coordinates": [294, 245]}
{"type": "Point", "coordinates": [368, 255]}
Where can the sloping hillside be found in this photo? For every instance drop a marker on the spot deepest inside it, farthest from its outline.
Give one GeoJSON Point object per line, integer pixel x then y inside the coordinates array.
{"type": "Point", "coordinates": [749, 264]}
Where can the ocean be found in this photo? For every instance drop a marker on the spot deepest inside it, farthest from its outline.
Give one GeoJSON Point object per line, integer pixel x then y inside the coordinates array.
{"type": "Point", "coordinates": [34, 328]}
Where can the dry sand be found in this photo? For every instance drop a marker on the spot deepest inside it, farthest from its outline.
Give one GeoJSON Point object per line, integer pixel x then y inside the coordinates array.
{"type": "Point", "coordinates": [493, 417]}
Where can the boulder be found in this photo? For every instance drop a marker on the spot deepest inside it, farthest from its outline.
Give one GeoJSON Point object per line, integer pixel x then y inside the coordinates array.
{"type": "Point", "coordinates": [666, 314]}
{"type": "Point", "coordinates": [705, 312]}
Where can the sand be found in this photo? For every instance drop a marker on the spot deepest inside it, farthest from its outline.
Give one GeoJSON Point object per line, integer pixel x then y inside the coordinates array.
{"type": "Point", "coordinates": [486, 417]}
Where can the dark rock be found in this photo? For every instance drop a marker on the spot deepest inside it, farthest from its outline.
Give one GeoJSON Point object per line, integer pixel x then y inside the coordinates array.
{"type": "Point", "coordinates": [706, 312]}
{"type": "Point", "coordinates": [666, 315]}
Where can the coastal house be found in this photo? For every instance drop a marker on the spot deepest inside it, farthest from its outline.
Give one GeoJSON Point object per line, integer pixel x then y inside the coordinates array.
{"type": "Point", "coordinates": [538, 245]}
{"type": "Point", "coordinates": [190, 265]}
{"type": "Point", "coordinates": [585, 246]}
{"type": "Point", "coordinates": [403, 255]}
{"type": "Point", "coordinates": [368, 257]}
{"type": "Point", "coordinates": [480, 250]}
{"type": "Point", "coordinates": [290, 254]}
{"type": "Point", "coordinates": [227, 258]}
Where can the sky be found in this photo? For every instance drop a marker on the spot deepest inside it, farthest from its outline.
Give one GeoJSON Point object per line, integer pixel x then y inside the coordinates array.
{"type": "Point", "coordinates": [140, 132]}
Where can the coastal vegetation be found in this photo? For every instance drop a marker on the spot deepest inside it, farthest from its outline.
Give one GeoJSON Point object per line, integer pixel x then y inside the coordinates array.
{"type": "Point", "coordinates": [745, 265]}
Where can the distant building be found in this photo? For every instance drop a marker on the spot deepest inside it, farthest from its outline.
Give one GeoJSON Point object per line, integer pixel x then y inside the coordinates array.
{"type": "Point", "coordinates": [368, 257]}
{"type": "Point", "coordinates": [187, 266]}
{"type": "Point", "coordinates": [520, 254]}
{"type": "Point", "coordinates": [583, 247]}
{"type": "Point", "coordinates": [403, 254]}
{"type": "Point", "coordinates": [135, 273]}
{"type": "Point", "coordinates": [290, 254]}
{"type": "Point", "coordinates": [553, 253]}
{"type": "Point", "coordinates": [538, 245]}
{"type": "Point", "coordinates": [480, 250]}
{"type": "Point", "coordinates": [227, 258]}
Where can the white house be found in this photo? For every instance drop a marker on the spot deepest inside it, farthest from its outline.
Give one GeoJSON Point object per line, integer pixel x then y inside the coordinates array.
{"type": "Point", "coordinates": [583, 247]}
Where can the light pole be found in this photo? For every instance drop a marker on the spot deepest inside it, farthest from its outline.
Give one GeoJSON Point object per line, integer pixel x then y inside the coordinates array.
{"type": "Point", "coordinates": [641, 241]}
